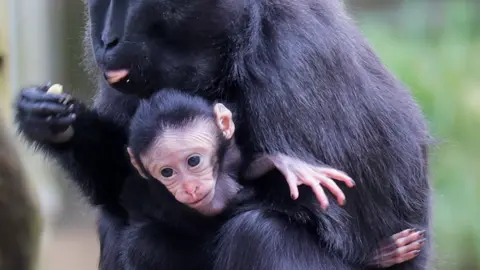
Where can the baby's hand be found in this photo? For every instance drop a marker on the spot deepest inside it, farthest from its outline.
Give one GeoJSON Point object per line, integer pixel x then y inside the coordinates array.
{"type": "Point", "coordinates": [402, 247]}
{"type": "Point", "coordinates": [298, 172]}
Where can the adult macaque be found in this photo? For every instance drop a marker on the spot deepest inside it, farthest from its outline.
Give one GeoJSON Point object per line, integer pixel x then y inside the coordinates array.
{"type": "Point", "coordinates": [304, 83]}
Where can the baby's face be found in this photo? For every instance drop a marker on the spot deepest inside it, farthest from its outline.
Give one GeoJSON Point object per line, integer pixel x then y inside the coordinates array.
{"type": "Point", "coordinates": [184, 161]}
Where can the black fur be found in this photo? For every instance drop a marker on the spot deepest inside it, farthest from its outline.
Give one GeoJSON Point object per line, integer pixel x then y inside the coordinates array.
{"type": "Point", "coordinates": [305, 83]}
{"type": "Point", "coordinates": [163, 233]}
{"type": "Point", "coordinates": [158, 224]}
{"type": "Point", "coordinates": [174, 109]}
{"type": "Point", "coordinates": [165, 109]}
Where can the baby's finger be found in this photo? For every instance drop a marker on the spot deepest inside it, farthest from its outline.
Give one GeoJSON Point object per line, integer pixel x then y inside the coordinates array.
{"type": "Point", "coordinates": [338, 175]}
{"type": "Point", "coordinates": [399, 259]}
{"type": "Point", "coordinates": [291, 179]}
{"type": "Point", "coordinates": [402, 254]}
{"type": "Point", "coordinates": [411, 237]}
{"type": "Point", "coordinates": [317, 189]}
{"type": "Point", "coordinates": [402, 234]}
{"type": "Point", "coordinates": [333, 188]}
{"type": "Point", "coordinates": [398, 240]}
{"type": "Point", "coordinates": [408, 256]}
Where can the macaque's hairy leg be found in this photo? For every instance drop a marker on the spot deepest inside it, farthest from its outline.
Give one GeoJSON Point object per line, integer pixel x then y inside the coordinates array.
{"type": "Point", "coordinates": [401, 247]}
{"type": "Point", "coordinates": [298, 172]}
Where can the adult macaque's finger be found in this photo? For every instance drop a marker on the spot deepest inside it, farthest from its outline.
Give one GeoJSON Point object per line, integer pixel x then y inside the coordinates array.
{"type": "Point", "coordinates": [64, 121]}
{"type": "Point", "coordinates": [333, 188]}
{"type": "Point", "coordinates": [54, 122]}
{"type": "Point", "coordinates": [338, 175]}
{"type": "Point", "coordinates": [45, 108]}
{"type": "Point", "coordinates": [35, 94]}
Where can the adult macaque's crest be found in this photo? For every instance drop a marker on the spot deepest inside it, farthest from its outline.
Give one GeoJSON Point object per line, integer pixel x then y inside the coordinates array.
{"type": "Point", "coordinates": [224, 120]}
{"type": "Point", "coordinates": [135, 163]}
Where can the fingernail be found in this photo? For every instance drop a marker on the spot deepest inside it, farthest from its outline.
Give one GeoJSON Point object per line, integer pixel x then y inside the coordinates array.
{"type": "Point", "coordinates": [421, 233]}
{"type": "Point", "coordinates": [421, 241]}
{"type": "Point", "coordinates": [74, 116]}
{"type": "Point", "coordinates": [411, 230]}
{"type": "Point", "coordinates": [416, 251]}
{"type": "Point", "coordinates": [353, 182]}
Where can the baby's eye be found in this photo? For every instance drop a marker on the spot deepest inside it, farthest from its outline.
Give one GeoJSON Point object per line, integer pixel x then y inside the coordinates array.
{"type": "Point", "coordinates": [193, 161]}
{"type": "Point", "coordinates": [167, 172]}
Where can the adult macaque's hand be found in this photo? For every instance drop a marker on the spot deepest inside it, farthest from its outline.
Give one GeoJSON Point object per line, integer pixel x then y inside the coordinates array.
{"type": "Point", "coordinates": [45, 115]}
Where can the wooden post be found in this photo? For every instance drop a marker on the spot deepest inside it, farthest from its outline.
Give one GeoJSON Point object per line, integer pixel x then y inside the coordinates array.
{"type": "Point", "coordinates": [13, 169]}
{"type": "Point", "coordinates": [33, 46]}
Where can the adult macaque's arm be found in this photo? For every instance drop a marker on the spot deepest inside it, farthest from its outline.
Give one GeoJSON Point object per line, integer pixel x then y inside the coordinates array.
{"type": "Point", "coordinates": [86, 142]}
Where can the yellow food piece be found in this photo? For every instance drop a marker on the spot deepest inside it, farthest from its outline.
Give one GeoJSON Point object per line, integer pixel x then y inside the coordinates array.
{"type": "Point", "coordinates": [55, 89]}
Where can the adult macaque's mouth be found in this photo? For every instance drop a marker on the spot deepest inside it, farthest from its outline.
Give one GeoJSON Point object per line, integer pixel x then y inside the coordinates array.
{"type": "Point", "coordinates": [115, 76]}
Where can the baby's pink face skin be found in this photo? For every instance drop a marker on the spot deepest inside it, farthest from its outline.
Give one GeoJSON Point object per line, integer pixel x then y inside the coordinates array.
{"type": "Point", "coordinates": [183, 161]}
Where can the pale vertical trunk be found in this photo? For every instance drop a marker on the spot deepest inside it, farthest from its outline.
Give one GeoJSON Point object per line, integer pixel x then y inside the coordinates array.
{"type": "Point", "coordinates": [31, 33]}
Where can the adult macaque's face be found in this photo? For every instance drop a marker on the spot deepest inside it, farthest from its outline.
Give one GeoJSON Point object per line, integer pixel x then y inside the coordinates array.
{"type": "Point", "coordinates": [136, 45]}
{"type": "Point", "coordinates": [184, 161]}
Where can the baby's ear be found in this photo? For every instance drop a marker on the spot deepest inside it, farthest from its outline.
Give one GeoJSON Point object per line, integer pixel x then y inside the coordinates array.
{"type": "Point", "coordinates": [135, 163]}
{"type": "Point", "coordinates": [224, 120]}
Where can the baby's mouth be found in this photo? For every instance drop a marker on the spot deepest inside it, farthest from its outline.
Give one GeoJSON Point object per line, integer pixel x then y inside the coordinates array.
{"type": "Point", "coordinates": [200, 201]}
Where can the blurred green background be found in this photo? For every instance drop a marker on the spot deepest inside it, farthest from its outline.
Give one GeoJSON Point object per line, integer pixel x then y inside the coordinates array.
{"type": "Point", "coordinates": [433, 46]}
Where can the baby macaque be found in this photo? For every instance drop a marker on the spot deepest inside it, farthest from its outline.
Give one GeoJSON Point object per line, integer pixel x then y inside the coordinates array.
{"type": "Point", "coordinates": [187, 145]}
{"type": "Point", "coordinates": [191, 150]}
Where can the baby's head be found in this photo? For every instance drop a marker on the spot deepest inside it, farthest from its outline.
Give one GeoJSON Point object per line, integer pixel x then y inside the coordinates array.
{"type": "Point", "coordinates": [181, 140]}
